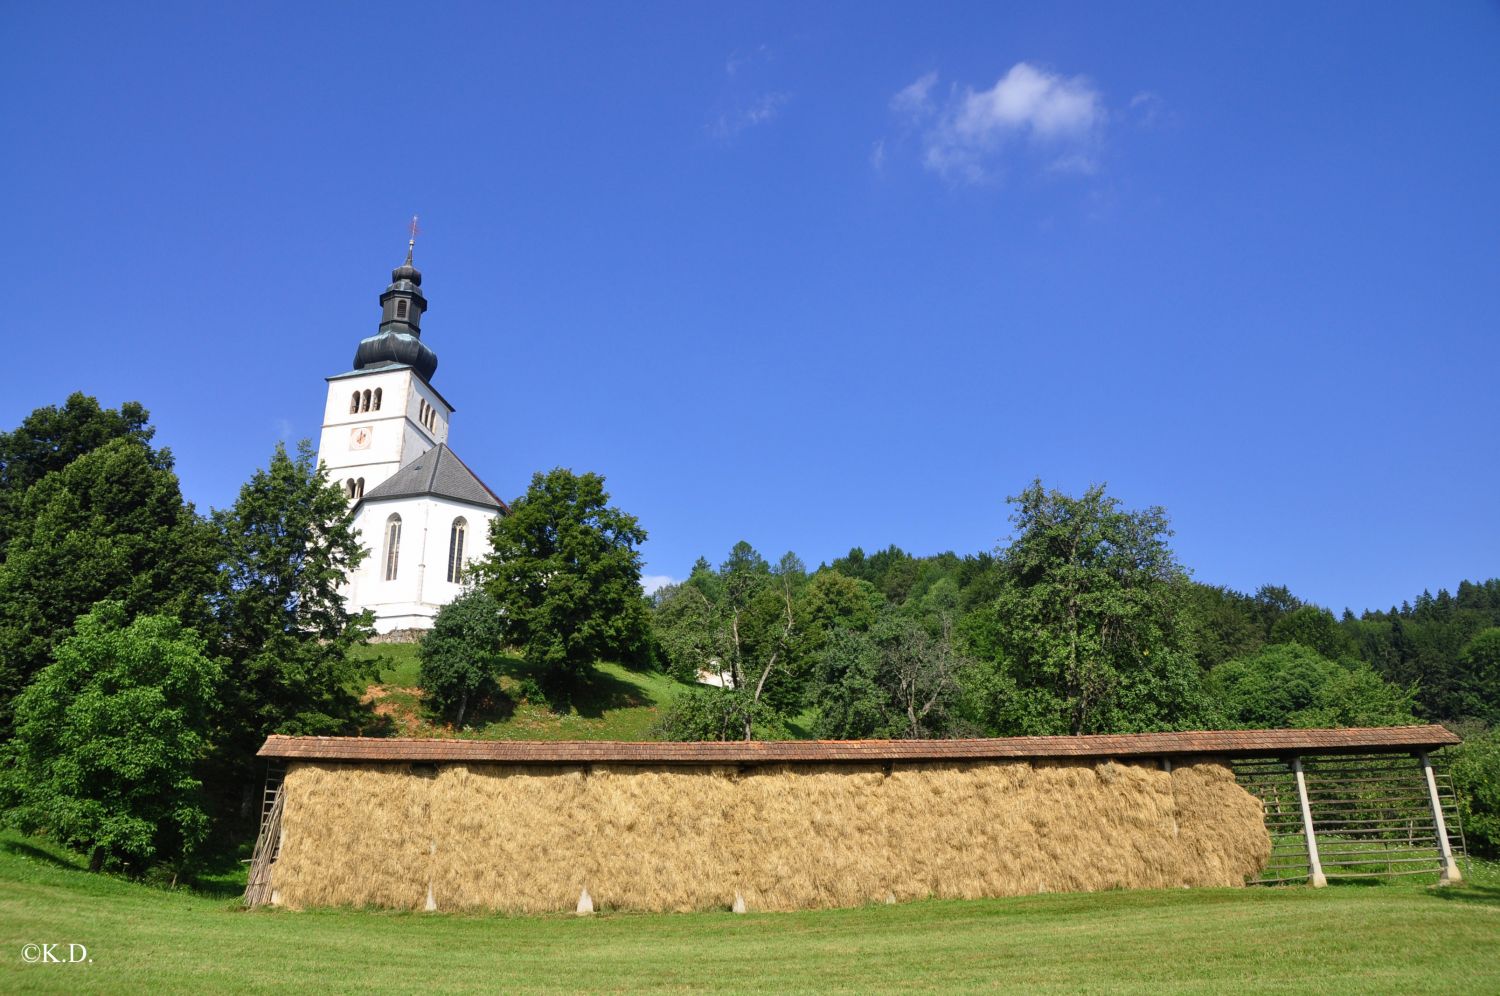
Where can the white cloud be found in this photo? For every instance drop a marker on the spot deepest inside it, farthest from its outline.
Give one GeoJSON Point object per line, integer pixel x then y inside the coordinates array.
{"type": "Point", "coordinates": [915, 99]}
{"type": "Point", "coordinates": [967, 134]}
{"type": "Point", "coordinates": [759, 111]}
{"type": "Point", "coordinates": [651, 583]}
{"type": "Point", "coordinates": [877, 155]}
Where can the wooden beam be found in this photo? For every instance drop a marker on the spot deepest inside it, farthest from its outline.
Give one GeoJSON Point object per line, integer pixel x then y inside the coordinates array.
{"type": "Point", "coordinates": [1450, 875]}
{"type": "Point", "coordinates": [1315, 876]}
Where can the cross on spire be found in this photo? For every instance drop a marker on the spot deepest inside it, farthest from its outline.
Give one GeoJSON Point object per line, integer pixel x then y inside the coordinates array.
{"type": "Point", "coordinates": [411, 243]}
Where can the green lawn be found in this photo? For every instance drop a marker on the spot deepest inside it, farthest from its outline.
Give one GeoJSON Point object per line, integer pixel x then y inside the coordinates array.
{"type": "Point", "coordinates": [1344, 939]}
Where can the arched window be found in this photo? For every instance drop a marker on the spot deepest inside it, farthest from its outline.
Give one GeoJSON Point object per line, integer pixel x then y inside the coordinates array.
{"type": "Point", "coordinates": [456, 549]}
{"type": "Point", "coordinates": [354, 403]}
{"type": "Point", "coordinates": [359, 488]}
{"type": "Point", "coordinates": [364, 404]}
{"type": "Point", "coordinates": [401, 308]}
{"type": "Point", "coordinates": [349, 488]}
{"type": "Point", "coordinates": [392, 546]}
{"type": "Point", "coordinates": [377, 399]}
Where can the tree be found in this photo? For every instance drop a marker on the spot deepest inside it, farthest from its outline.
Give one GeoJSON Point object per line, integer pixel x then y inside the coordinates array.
{"type": "Point", "coordinates": [107, 739]}
{"type": "Point", "coordinates": [895, 680]}
{"type": "Point", "coordinates": [1089, 614]}
{"type": "Point", "coordinates": [111, 524]}
{"type": "Point", "coordinates": [1314, 628]}
{"type": "Point", "coordinates": [460, 655]}
{"type": "Point", "coordinates": [50, 438]}
{"type": "Point", "coordinates": [740, 623]}
{"type": "Point", "coordinates": [286, 547]}
{"type": "Point", "coordinates": [1476, 781]}
{"type": "Point", "coordinates": [1481, 685]}
{"type": "Point", "coordinates": [1290, 685]}
{"type": "Point", "coordinates": [566, 571]}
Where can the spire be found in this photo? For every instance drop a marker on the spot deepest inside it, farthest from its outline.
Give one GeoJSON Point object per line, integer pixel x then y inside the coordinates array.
{"type": "Point", "coordinates": [411, 243]}
{"type": "Point", "coordinates": [401, 308]}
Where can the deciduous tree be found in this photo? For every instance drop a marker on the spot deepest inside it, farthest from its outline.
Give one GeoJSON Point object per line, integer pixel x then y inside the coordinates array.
{"type": "Point", "coordinates": [108, 737]}
{"type": "Point", "coordinates": [566, 570]}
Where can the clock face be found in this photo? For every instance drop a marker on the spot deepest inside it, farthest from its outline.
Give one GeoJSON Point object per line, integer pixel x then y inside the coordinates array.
{"type": "Point", "coordinates": [359, 437]}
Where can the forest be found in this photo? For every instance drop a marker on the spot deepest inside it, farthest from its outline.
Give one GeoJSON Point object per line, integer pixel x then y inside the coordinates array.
{"type": "Point", "coordinates": [147, 649]}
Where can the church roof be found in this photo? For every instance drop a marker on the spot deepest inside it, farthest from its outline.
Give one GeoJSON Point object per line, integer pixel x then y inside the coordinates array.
{"type": "Point", "coordinates": [438, 473]}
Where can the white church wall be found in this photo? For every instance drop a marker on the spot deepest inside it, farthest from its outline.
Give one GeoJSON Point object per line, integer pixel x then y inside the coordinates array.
{"type": "Point", "coordinates": [411, 600]}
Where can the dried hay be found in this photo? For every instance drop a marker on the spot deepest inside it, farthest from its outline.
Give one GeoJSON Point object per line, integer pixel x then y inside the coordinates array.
{"type": "Point", "coordinates": [532, 838]}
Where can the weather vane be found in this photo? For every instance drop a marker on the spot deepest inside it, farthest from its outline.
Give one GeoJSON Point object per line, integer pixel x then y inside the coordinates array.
{"type": "Point", "coordinates": [415, 231]}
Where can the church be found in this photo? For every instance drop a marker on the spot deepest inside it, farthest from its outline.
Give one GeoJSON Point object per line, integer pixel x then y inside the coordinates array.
{"type": "Point", "coordinates": [421, 513]}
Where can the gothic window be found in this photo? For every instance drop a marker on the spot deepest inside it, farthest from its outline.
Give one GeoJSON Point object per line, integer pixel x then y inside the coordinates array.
{"type": "Point", "coordinates": [456, 549]}
{"type": "Point", "coordinates": [354, 403]}
{"type": "Point", "coordinates": [377, 399]}
{"type": "Point", "coordinates": [392, 546]}
{"type": "Point", "coordinates": [364, 404]}
{"type": "Point", "coordinates": [401, 309]}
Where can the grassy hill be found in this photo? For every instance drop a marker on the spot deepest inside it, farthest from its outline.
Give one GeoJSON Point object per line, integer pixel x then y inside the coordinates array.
{"type": "Point", "coordinates": [1343, 939]}
{"type": "Point", "coordinates": [618, 704]}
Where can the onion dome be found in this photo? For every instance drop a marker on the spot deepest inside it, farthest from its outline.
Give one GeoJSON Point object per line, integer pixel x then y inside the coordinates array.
{"type": "Point", "coordinates": [400, 337]}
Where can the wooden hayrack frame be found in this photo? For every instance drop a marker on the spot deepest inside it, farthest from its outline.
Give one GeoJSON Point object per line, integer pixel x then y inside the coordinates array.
{"type": "Point", "coordinates": [1364, 815]}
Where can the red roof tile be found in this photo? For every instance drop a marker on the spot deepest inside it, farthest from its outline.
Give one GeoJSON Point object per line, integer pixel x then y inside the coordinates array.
{"type": "Point", "coordinates": [1244, 743]}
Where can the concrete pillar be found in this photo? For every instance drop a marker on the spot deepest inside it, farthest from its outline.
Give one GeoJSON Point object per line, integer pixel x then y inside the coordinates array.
{"type": "Point", "coordinates": [1315, 876]}
{"type": "Point", "coordinates": [1450, 874]}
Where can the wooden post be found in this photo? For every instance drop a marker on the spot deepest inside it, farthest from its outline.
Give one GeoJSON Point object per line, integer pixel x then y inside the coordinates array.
{"type": "Point", "coordinates": [1450, 875]}
{"type": "Point", "coordinates": [1315, 876]}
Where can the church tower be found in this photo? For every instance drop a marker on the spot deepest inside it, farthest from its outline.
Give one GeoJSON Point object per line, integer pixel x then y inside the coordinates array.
{"type": "Point", "coordinates": [385, 412]}
{"type": "Point", "coordinates": [419, 510]}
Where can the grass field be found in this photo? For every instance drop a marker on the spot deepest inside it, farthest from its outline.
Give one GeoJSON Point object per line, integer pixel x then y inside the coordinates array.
{"type": "Point", "coordinates": [1343, 939]}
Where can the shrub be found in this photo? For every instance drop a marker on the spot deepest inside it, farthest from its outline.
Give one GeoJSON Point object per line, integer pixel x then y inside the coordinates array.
{"type": "Point", "coordinates": [1476, 779]}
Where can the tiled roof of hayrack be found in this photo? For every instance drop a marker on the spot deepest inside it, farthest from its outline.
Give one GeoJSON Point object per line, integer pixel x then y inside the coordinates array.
{"type": "Point", "coordinates": [1243, 743]}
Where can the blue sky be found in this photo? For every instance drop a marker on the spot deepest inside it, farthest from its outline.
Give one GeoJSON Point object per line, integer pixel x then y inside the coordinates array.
{"type": "Point", "coordinates": [807, 275]}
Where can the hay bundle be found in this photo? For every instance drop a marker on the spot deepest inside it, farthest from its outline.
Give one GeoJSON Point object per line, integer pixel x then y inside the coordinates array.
{"type": "Point", "coordinates": [530, 839]}
{"type": "Point", "coordinates": [1222, 830]}
{"type": "Point", "coordinates": [354, 835]}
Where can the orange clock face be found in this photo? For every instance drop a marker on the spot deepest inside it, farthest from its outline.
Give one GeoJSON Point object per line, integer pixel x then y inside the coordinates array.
{"type": "Point", "coordinates": [359, 438]}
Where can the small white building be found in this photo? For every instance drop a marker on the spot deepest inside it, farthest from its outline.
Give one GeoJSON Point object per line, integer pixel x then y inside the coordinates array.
{"type": "Point", "coordinates": [422, 513]}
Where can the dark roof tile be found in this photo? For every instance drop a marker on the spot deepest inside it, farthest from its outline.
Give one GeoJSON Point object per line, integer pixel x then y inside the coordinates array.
{"type": "Point", "coordinates": [437, 472]}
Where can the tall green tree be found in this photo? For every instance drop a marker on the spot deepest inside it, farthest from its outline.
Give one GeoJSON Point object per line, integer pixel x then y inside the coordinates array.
{"type": "Point", "coordinates": [111, 524]}
{"type": "Point", "coordinates": [566, 569]}
{"type": "Point", "coordinates": [286, 547]}
{"type": "Point", "coordinates": [50, 438]}
{"type": "Point", "coordinates": [107, 740]}
{"type": "Point", "coordinates": [1089, 615]}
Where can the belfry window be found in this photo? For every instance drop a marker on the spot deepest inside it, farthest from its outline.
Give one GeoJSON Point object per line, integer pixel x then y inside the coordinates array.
{"type": "Point", "coordinates": [364, 404]}
{"type": "Point", "coordinates": [354, 403]}
{"type": "Point", "coordinates": [401, 308]}
{"type": "Point", "coordinates": [456, 549]}
{"type": "Point", "coordinates": [359, 488]}
{"type": "Point", "coordinates": [377, 399]}
{"type": "Point", "coordinates": [392, 546]}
